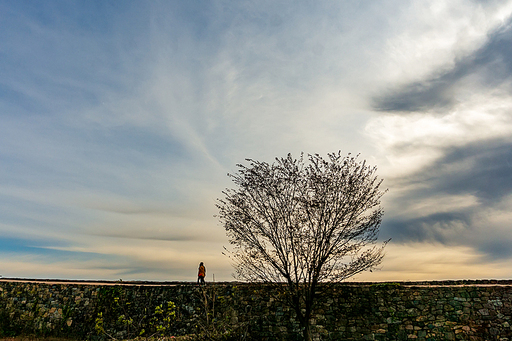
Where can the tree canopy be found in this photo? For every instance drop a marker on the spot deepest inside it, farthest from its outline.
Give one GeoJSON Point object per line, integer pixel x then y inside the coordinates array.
{"type": "Point", "coordinates": [303, 222]}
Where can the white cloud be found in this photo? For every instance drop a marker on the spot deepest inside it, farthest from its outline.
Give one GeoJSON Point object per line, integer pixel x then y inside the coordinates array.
{"type": "Point", "coordinates": [413, 141]}
{"type": "Point", "coordinates": [432, 35]}
{"type": "Point", "coordinates": [212, 87]}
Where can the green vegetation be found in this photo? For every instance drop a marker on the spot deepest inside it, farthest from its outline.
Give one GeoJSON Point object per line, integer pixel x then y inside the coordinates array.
{"type": "Point", "coordinates": [216, 326]}
{"type": "Point", "coordinates": [117, 318]}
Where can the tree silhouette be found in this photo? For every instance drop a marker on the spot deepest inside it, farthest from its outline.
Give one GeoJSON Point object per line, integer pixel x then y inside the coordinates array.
{"type": "Point", "coordinates": [303, 222]}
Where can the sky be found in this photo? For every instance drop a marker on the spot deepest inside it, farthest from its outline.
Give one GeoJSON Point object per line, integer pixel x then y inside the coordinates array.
{"type": "Point", "coordinates": [119, 121]}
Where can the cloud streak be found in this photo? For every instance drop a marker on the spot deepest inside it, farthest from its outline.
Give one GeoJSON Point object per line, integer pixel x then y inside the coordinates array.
{"type": "Point", "coordinates": [488, 68]}
{"type": "Point", "coordinates": [120, 121]}
{"type": "Point", "coordinates": [450, 134]}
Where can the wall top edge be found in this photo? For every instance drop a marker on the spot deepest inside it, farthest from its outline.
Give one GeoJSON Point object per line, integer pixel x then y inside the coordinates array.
{"type": "Point", "coordinates": [443, 283]}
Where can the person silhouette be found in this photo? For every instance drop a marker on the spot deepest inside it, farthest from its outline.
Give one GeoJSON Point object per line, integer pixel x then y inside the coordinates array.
{"type": "Point", "coordinates": [201, 273]}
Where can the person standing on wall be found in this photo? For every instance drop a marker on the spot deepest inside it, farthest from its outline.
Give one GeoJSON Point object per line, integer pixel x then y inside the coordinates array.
{"type": "Point", "coordinates": [201, 274]}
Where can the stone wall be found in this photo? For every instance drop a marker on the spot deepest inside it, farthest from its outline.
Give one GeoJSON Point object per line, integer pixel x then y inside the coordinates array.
{"type": "Point", "coordinates": [363, 311]}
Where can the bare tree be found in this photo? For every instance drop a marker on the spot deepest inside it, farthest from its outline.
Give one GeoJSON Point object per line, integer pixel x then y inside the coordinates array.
{"type": "Point", "coordinates": [303, 223]}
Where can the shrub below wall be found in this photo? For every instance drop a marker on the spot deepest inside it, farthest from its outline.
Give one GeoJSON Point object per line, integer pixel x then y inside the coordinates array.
{"type": "Point", "coordinates": [364, 311]}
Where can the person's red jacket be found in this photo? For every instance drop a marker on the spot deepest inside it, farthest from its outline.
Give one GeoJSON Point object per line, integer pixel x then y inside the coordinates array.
{"type": "Point", "coordinates": [202, 271]}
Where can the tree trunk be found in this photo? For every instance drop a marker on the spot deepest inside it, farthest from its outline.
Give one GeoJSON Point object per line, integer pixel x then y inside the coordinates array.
{"type": "Point", "coordinates": [306, 328]}
{"type": "Point", "coordinates": [304, 324]}
{"type": "Point", "coordinates": [307, 331]}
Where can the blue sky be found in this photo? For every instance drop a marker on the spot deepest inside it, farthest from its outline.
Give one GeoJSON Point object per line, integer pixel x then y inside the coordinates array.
{"type": "Point", "coordinates": [120, 120]}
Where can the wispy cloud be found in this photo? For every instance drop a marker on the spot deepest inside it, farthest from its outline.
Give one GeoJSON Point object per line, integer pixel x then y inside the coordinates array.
{"type": "Point", "coordinates": [447, 139]}
{"type": "Point", "coordinates": [119, 122]}
{"type": "Point", "coordinates": [488, 68]}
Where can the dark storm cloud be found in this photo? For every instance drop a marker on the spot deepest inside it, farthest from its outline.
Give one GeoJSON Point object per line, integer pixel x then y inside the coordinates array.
{"type": "Point", "coordinates": [423, 95]}
{"type": "Point", "coordinates": [492, 64]}
{"type": "Point", "coordinates": [482, 170]}
{"type": "Point", "coordinates": [436, 227]}
{"type": "Point", "coordinates": [497, 248]}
